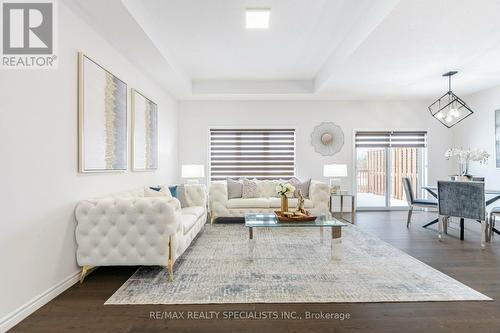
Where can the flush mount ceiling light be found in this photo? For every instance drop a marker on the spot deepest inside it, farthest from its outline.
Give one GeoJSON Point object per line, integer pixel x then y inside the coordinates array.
{"type": "Point", "coordinates": [449, 109]}
{"type": "Point", "coordinates": [257, 18]}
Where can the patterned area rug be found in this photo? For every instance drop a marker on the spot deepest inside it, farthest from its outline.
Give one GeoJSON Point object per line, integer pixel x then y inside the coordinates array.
{"type": "Point", "coordinates": [291, 265]}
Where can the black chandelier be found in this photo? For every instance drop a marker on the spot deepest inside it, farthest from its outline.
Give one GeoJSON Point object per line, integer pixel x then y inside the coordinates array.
{"type": "Point", "coordinates": [449, 109]}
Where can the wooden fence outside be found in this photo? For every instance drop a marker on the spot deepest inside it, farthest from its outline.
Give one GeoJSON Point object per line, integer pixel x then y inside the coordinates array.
{"type": "Point", "coordinates": [372, 179]}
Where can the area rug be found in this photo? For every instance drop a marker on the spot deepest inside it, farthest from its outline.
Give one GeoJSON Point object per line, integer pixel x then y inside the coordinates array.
{"type": "Point", "coordinates": [291, 265]}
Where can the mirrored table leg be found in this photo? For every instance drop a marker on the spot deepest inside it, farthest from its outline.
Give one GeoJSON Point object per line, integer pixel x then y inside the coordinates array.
{"type": "Point", "coordinates": [336, 243]}
{"type": "Point", "coordinates": [440, 227]}
{"type": "Point", "coordinates": [484, 236]}
{"type": "Point", "coordinates": [251, 244]}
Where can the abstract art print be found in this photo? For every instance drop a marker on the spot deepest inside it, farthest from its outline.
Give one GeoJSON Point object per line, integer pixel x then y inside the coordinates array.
{"type": "Point", "coordinates": [497, 138]}
{"type": "Point", "coordinates": [102, 104]}
{"type": "Point", "coordinates": [144, 133]}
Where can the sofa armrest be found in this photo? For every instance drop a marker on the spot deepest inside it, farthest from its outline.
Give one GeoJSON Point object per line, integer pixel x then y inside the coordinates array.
{"type": "Point", "coordinates": [319, 193]}
{"type": "Point", "coordinates": [125, 231]}
{"type": "Point", "coordinates": [195, 195]}
{"type": "Point", "coordinates": [218, 197]}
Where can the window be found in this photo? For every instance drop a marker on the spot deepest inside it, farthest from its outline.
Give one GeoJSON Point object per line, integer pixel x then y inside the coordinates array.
{"type": "Point", "coordinates": [252, 153]}
{"type": "Point", "coordinates": [382, 160]}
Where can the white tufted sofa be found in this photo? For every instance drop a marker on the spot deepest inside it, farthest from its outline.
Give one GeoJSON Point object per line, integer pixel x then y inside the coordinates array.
{"type": "Point", "coordinates": [221, 206]}
{"type": "Point", "coordinates": [129, 228]}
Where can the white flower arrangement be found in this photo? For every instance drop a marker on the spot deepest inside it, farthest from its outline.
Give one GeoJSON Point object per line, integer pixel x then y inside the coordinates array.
{"type": "Point", "coordinates": [285, 188]}
{"type": "Point", "coordinates": [474, 155]}
{"type": "Point", "coordinates": [465, 156]}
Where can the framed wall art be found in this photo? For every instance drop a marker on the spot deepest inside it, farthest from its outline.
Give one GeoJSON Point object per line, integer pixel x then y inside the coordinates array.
{"type": "Point", "coordinates": [497, 139]}
{"type": "Point", "coordinates": [102, 108]}
{"type": "Point", "coordinates": [144, 133]}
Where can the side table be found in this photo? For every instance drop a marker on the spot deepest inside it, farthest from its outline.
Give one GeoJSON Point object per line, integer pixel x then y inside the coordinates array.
{"type": "Point", "coordinates": [341, 212]}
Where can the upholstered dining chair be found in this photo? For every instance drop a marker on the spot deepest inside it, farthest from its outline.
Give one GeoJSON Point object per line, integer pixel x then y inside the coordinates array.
{"type": "Point", "coordinates": [464, 200]}
{"type": "Point", "coordinates": [412, 202]}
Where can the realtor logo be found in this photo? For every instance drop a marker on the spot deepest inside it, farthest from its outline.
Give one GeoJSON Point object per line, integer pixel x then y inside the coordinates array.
{"type": "Point", "coordinates": [28, 34]}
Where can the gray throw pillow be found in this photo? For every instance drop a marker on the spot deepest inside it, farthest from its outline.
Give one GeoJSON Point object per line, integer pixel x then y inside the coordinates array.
{"type": "Point", "coordinates": [303, 186]}
{"type": "Point", "coordinates": [234, 188]}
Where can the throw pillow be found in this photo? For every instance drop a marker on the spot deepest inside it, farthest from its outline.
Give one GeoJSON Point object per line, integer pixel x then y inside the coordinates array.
{"type": "Point", "coordinates": [267, 188]}
{"type": "Point", "coordinates": [173, 190]}
{"type": "Point", "coordinates": [249, 189]}
{"type": "Point", "coordinates": [234, 188]}
{"type": "Point", "coordinates": [157, 191]}
{"type": "Point", "coordinates": [303, 186]}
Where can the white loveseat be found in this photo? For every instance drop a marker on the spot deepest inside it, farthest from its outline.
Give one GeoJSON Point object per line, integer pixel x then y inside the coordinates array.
{"type": "Point", "coordinates": [221, 206]}
{"type": "Point", "coordinates": [130, 228]}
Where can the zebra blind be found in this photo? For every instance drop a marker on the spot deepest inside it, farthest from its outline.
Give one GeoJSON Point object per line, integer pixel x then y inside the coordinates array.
{"type": "Point", "coordinates": [391, 139]}
{"type": "Point", "coordinates": [252, 153]}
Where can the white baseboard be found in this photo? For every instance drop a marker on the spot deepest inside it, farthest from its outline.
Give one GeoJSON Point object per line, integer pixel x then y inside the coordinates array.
{"type": "Point", "coordinates": [37, 302]}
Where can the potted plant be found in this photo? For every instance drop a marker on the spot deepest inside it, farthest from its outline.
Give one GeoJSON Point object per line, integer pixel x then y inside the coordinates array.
{"type": "Point", "coordinates": [283, 189]}
{"type": "Point", "coordinates": [465, 156]}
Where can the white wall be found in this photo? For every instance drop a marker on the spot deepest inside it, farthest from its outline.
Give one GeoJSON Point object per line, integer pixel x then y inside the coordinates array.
{"type": "Point", "coordinates": [478, 131]}
{"type": "Point", "coordinates": [195, 117]}
{"type": "Point", "coordinates": [40, 184]}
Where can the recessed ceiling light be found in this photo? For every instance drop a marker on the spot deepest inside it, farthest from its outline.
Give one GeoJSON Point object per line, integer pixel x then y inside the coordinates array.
{"type": "Point", "coordinates": [257, 18]}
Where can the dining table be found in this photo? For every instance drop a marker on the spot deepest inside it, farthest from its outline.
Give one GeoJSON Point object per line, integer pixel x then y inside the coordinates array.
{"type": "Point", "coordinates": [491, 196]}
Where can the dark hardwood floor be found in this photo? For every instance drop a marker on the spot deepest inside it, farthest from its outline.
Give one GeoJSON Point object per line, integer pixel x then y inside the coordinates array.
{"type": "Point", "coordinates": [81, 309]}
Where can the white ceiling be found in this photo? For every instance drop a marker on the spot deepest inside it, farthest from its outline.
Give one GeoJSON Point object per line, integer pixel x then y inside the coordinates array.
{"type": "Point", "coordinates": [210, 42]}
{"type": "Point", "coordinates": [314, 49]}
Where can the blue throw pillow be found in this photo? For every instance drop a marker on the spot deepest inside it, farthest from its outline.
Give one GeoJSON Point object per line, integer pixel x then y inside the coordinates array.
{"type": "Point", "coordinates": [173, 190]}
{"type": "Point", "coordinates": [155, 188]}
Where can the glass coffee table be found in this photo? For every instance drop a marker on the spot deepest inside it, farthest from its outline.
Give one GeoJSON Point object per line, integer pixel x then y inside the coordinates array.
{"type": "Point", "coordinates": [270, 221]}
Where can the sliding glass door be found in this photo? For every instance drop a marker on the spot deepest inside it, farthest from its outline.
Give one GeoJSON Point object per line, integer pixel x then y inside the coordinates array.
{"type": "Point", "coordinates": [371, 176]}
{"type": "Point", "coordinates": [382, 160]}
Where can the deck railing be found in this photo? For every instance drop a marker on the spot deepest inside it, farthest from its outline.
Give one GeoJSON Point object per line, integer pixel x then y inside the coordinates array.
{"type": "Point", "coordinates": [372, 179]}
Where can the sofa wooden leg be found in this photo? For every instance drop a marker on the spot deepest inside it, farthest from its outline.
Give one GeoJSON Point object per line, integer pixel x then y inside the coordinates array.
{"type": "Point", "coordinates": [170, 263]}
{"type": "Point", "coordinates": [170, 269]}
{"type": "Point", "coordinates": [85, 271]}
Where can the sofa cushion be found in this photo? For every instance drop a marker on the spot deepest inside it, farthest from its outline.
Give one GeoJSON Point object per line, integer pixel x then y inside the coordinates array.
{"type": "Point", "coordinates": [250, 189]}
{"type": "Point", "coordinates": [234, 188]}
{"type": "Point", "coordinates": [188, 221]}
{"type": "Point", "coordinates": [248, 203]}
{"type": "Point", "coordinates": [267, 188]}
{"type": "Point", "coordinates": [193, 210]}
{"type": "Point", "coordinates": [276, 203]}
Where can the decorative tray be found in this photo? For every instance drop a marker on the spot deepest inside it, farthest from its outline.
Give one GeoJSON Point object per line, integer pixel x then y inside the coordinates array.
{"type": "Point", "coordinates": [285, 218]}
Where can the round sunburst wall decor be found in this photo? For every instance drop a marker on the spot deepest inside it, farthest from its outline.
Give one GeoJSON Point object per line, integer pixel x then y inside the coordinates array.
{"type": "Point", "coordinates": [327, 139]}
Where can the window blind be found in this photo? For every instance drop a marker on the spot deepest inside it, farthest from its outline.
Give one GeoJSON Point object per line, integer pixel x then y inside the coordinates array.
{"type": "Point", "coordinates": [252, 153]}
{"type": "Point", "coordinates": [391, 139]}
